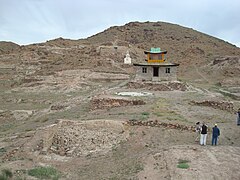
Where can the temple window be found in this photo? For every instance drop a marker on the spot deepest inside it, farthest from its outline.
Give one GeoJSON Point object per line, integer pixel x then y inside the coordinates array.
{"type": "Point", "coordinates": [144, 70]}
{"type": "Point", "coordinates": [167, 70]}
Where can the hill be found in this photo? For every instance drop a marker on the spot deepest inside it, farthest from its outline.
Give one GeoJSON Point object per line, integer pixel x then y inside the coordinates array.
{"type": "Point", "coordinates": [8, 47]}
{"type": "Point", "coordinates": [71, 108]}
{"type": "Point", "coordinates": [201, 57]}
{"type": "Point", "coordinates": [195, 51]}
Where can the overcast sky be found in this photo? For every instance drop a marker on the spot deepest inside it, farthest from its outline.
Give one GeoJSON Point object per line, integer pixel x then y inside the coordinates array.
{"type": "Point", "coordinates": [32, 21]}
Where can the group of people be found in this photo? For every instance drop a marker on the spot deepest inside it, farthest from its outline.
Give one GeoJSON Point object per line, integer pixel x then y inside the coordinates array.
{"type": "Point", "coordinates": [202, 130]}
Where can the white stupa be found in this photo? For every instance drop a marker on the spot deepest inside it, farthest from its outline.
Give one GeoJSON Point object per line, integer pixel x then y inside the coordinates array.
{"type": "Point", "coordinates": [127, 59]}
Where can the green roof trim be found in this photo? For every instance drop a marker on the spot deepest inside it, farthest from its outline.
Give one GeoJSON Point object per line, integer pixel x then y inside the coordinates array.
{"type": "Point", "coordinates": [155, 50]}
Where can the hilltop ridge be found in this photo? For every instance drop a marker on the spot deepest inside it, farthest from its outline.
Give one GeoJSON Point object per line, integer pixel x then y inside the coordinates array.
{"type": "Point", "coordinates": [196, 52]}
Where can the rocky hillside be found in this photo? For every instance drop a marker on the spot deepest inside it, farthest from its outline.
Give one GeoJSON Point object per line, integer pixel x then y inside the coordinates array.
{"type": "Point", "coordinates": [202, 57]}
{"type": "Point", "coordinates": [186, 46]}
{"type": "Point", "coordinates": [8, 47]}
{"type": "Point", "coordinates": [180, 42]}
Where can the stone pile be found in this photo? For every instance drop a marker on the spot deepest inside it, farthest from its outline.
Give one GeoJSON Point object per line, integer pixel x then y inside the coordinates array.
{"type": "Point", "coordinates": [57, 107]}
{"type": "Point", "coordinates": [160, 124]}
{"type": "Point", "coordinates": [104, 103]}
{"type": "Point", "coordinates": [10, 155]}
{"type": "Point", "coordinates": [76, 140]}
{"type": "Point", "coordinates": [167, 86]}
{"type": "Point", "coordinates": [223, 105]}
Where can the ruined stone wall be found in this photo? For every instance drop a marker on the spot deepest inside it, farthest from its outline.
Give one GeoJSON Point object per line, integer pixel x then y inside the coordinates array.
{"type": "Point", "coordinates": [166, 86]}
{"type": "Point", "coordinates": [104, 103]}
{"type": "Point", "coordinates": [160, 124]}
{"type": "Point", "coordinates": [223, 105]}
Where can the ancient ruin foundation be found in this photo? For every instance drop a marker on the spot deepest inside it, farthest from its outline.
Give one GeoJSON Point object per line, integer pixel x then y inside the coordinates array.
{"type": "Point", "coordinates": [73, 139]}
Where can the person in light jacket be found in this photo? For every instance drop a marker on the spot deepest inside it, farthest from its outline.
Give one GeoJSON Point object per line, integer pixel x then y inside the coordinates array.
{"type": "Point", "coordinates": [203, 138]}
{"type": "Point", "coordinates": [198, 131]}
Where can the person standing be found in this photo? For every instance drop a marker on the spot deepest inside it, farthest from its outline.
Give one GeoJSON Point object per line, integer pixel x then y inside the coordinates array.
{"type": "Point", "coordinates": [198, 130]}
{"type": "Point", "coordinates": [215, 134]}
{"type": "Point", "coordinates": [203, 138]}
{"type": "Point", "coordinates": [238, 117]}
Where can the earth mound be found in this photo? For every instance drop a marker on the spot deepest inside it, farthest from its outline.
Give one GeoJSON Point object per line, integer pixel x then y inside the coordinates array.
{"type": "Point", "coordinates": [74, 139]}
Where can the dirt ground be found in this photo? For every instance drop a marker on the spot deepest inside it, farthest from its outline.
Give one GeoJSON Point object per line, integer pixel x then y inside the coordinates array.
{"type": "Point", "coordinates": [98, 143]}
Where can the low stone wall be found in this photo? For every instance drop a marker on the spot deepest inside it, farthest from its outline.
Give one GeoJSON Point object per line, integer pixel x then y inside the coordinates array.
{"type": "Point", "coordinates": [164, 86]}
{"type": "Point", "coordinates": [160, 124]}
{"type": "Point", "coordinates": [58, 107]}
{"type": "Point", "coordinates": [223, 105]}
{"type": "Point", "coordinates": [104, 103]}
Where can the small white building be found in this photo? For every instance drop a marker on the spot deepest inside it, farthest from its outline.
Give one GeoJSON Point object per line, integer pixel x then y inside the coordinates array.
{"type": "Point", "coordinates": [127, 59]}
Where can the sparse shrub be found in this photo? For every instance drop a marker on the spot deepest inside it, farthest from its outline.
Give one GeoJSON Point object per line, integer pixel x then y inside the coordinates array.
{"type": "Point", "coordinates": [183, 164]}
{"type": "Point", "coordinates": [145, 113]}
{"type": "Point", "coordinates": [44, 173]}
{"type": "Point", "coordinates": [121, 113]}
{"type": "Point", "coordinates": [139, 167]}
{"type": "Point", "coordinates": [145, 116]}
{"type": "Point", "coordinates": [3, 177]}
{"type": "Point", "coordinates": [6, 174]}
{"type": "Point", "coordinates": [131, 133]}
{"type": "Point", "coordinates": [30, 129]}
{"type": "Point", "coordinates": [2, 150]}
{"type": "Point", "coordinates": [218, 84]}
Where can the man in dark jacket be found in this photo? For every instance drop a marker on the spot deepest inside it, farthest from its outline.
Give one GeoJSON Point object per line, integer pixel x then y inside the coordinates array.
{"type": "Point", "coordinates": [238, 117]}
{"type": "Point", "coordinates": [215, 134]}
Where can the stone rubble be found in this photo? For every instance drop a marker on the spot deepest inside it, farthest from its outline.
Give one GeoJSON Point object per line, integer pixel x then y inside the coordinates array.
{"type": "Point", "coordinates": [75, 139]}
{"type": "Point", "coordinates": [223, 105]}
{"type": "Point", "coordinates": [104, 103]}
{"type": "Point", "coordinates": [57, 107]}
{"type": "Point", "coordinates": [166, 86]}
{"type": "Point", "coordinates": [160, 124]}
{"type": "Point", "coordinates": [12, 154]}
